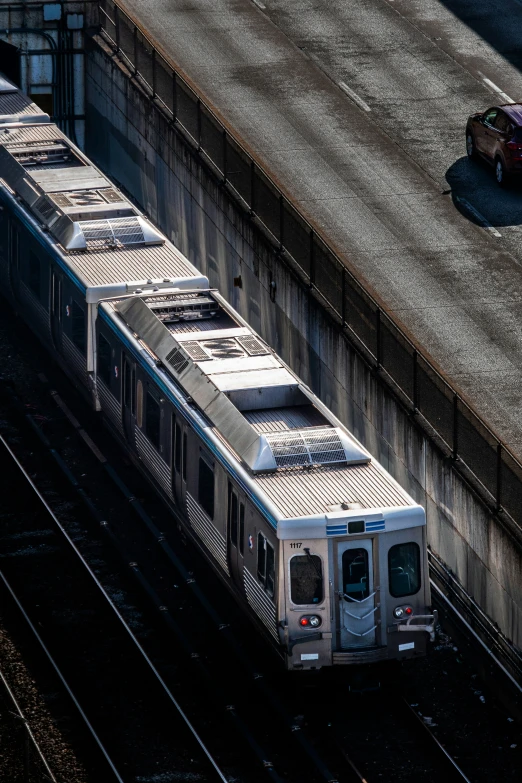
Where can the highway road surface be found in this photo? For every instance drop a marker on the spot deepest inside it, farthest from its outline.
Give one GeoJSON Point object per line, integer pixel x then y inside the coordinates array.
{"type": "Point", "coordinates": [358, 109]}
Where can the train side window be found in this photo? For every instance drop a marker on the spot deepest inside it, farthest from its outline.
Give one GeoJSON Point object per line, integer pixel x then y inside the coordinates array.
{"type": "Point", "coordinates": [104, 359]}
{"type": "Point", "coordinates": [232, 514]}
{"type": "Point", "coordinates": [14, 247]}
{"type": "Point", "coordinates": [152, 420]}
{"type": "Point", "coordinates": [265, 564]}
{"type": "Point", "coordinates": [128, 385]}
{"type": "Point", "coordinates": [404, 569]}
{"type": "Point", "coordinates": [241, 527]}
{"type": "Point", "coordinates": [206, 487]}
{"type": "Point", "coordinates": [78, 326]}
{"type": "Point", "coordinates": [261, 558]}
{"type": "Point", "coordinates": [33, 274]}
{"type": "Point", "coordinates": [270, 569]}
{"type": "Point", "coordinates": [177, 446]}
{"type": "Point", "coordinates": [306, 579]}
{"type": "Point", "coordinates": [133, 392]}
{"type": "Point", "coordinates": [184, 455]}
{"type": "Point", "coordinates": [139, 404]}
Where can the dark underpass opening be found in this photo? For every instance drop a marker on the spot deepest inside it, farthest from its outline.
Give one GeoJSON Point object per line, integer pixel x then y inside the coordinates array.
{"type": "Point", "coordinates": [10, 62]}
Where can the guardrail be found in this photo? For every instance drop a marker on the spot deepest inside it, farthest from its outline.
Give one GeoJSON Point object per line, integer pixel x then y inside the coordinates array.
{"type": "Point", "coordinates": [449, 420]}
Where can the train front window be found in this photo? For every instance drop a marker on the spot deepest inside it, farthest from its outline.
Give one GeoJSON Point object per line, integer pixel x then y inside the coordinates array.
{"type": "Point", "coordinates": [356, 582]}
{"type": "Point", "coordinates": [306, 579]}
{"type": "Point", "coordinates": [404, 569]}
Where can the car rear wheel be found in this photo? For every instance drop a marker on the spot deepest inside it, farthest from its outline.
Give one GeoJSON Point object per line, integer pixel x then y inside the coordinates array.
{"type": "Point", "coordinates": [500, 173]}
{"type": "Point", "coordinates": [470, 146]}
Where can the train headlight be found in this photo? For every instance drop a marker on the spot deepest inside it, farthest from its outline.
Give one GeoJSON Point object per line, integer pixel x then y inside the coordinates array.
{"type": "Point", "coordinates": [310, 621]}
{"type": "Point", "coordinates": [402, 611]}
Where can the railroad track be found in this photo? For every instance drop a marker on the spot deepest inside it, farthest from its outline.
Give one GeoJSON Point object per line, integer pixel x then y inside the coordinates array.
{"type": "Point", "coordinates": [233, 668]}
{"type": "Point", "coordinates": [201, 663]}
{"type": "Point", "coordinates": [383, 737]}
{"type": "Point", "coordinates": [96, 656]}
{"type": "Point", "coordinates": [337, 754]}
{"type": "Point", "coordinates": [26, 758]}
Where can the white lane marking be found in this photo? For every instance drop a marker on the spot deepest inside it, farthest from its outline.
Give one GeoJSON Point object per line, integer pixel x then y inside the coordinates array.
{"type": "Point", "coordinates": [353, 95]}
{"type": "Point", "coordinates": [259, 4]}
{"type": "Point", "coordinates": [465, 203]}
{"type": "Point", "coordinates": [496, 89]}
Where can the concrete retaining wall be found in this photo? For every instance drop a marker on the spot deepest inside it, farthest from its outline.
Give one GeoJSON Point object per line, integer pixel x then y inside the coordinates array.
{"type": "Point", "coordinates": [134, 143]}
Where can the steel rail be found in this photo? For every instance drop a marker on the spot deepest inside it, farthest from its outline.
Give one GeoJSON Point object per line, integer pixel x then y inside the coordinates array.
{"type": "Point", "coordinates": [224, 629]}
{"type": "Point", "coordinates": [184, 641]}
{"type": "Point", "coordinates": [27, 727]}
{"type": "Point", "coordinates": [114, 609]}
{"type": "Point", "coordinates": [444, 598]}
{"type": "Point", "coordinates": [452, 764]}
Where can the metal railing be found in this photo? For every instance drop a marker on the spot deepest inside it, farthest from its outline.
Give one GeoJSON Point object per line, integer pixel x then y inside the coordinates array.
{"type": "Point", "coordinates": [448, 419]}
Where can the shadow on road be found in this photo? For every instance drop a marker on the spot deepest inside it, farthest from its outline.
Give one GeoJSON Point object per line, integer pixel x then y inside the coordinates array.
{"type": "Point", "coordinates": [474, 181]}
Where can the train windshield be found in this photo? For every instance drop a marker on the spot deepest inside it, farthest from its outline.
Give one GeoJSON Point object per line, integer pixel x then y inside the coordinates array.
{"type": "Point", "coordinates": [306, 579]}
{"type": "Point", "coordinates": [356, 584]}
{"type": "Point", "coordinates": [404, 569]}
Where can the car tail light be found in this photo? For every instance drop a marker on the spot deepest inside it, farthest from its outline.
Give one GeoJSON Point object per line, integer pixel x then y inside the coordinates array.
{"type": "Point", "coordinates": [310, 621]}
{"type": "Point", "coordinates": [515, 146]}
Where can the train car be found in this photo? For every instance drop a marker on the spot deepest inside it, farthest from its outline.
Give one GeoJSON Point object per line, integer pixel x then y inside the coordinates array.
{"type": "Point", "coordinates": [321, 546]}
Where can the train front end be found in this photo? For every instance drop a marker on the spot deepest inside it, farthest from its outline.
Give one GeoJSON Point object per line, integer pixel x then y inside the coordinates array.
{"type": "Point", "coordinates": [356, 587]}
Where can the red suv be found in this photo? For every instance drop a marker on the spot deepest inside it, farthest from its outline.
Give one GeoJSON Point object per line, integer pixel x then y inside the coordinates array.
{"type": "Point", "coordinates": [496, 135]}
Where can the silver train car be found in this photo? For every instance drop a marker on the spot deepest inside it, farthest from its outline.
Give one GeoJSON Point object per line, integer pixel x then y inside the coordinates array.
{"type": "Point", "coordinates": [322, 547]}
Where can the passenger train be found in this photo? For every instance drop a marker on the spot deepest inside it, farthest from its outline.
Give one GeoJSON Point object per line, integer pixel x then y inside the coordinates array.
{"type": "Point", "coordinates": [321, 546]}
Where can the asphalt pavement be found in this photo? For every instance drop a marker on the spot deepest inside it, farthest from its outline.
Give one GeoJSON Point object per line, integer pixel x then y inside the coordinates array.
{"type": "Point", "coordinates": [358, 109]}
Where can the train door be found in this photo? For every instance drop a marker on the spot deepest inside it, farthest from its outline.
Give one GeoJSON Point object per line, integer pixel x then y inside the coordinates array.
{"type": "Point", "coordinates": [128, 405]}
{"type": "Point", "coordinates": [357, 591]}
{"type": "Point", "coordinates": [235, 533]}
{"type": "Point", "coordinates": [56, 308]}
{"type": "Point", "coordinates": [178, 459]}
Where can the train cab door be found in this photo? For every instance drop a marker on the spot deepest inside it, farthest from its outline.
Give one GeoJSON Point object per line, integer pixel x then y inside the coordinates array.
{"type": "Point", "coordinates": [57, 308]}
{"type": "Point", "coordinates": [128, 403]}
{"type": "Point", "coordinates": [235, 533]}
{"type": "Point", "coordinates": [357, 593]}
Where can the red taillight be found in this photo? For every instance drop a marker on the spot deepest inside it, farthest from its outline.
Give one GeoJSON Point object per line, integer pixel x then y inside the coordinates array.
{"type": "Point", "coordinates": [304, 621]}
{"type": "Point", "coordinates": [515, 146]}
{"type": "Point", "coordinates": [408, 610]}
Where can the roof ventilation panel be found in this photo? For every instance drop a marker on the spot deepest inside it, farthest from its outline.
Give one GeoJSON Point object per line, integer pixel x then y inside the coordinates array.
{"type": "Point", "coordinates": [107, 233]}
{"type": "Point", "coordinates": [314, 446]}
{"type": "Point", "coordinates": [46, 210]}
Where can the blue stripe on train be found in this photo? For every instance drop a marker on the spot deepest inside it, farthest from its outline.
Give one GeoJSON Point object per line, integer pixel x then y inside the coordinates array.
{"type": "Point", "coordinates": [372, 526]}
{"type": "Point", "coordinates": [342, 530]}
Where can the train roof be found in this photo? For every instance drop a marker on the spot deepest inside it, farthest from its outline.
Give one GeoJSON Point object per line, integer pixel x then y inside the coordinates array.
{"type": "Point", "coordinates": [106, 242]}
{"type": "Point", "coordinates": [299, 456]}
{"type": "Point", "coordinates": [297, 452]}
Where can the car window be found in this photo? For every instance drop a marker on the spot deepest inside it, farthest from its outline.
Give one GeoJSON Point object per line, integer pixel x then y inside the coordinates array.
{"type": "Point", "coordinates": [518, 135]}
{"type": "Point", "coordinates": [502, 123]}
{"type": "Point", "coordinates": [490, 116]}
